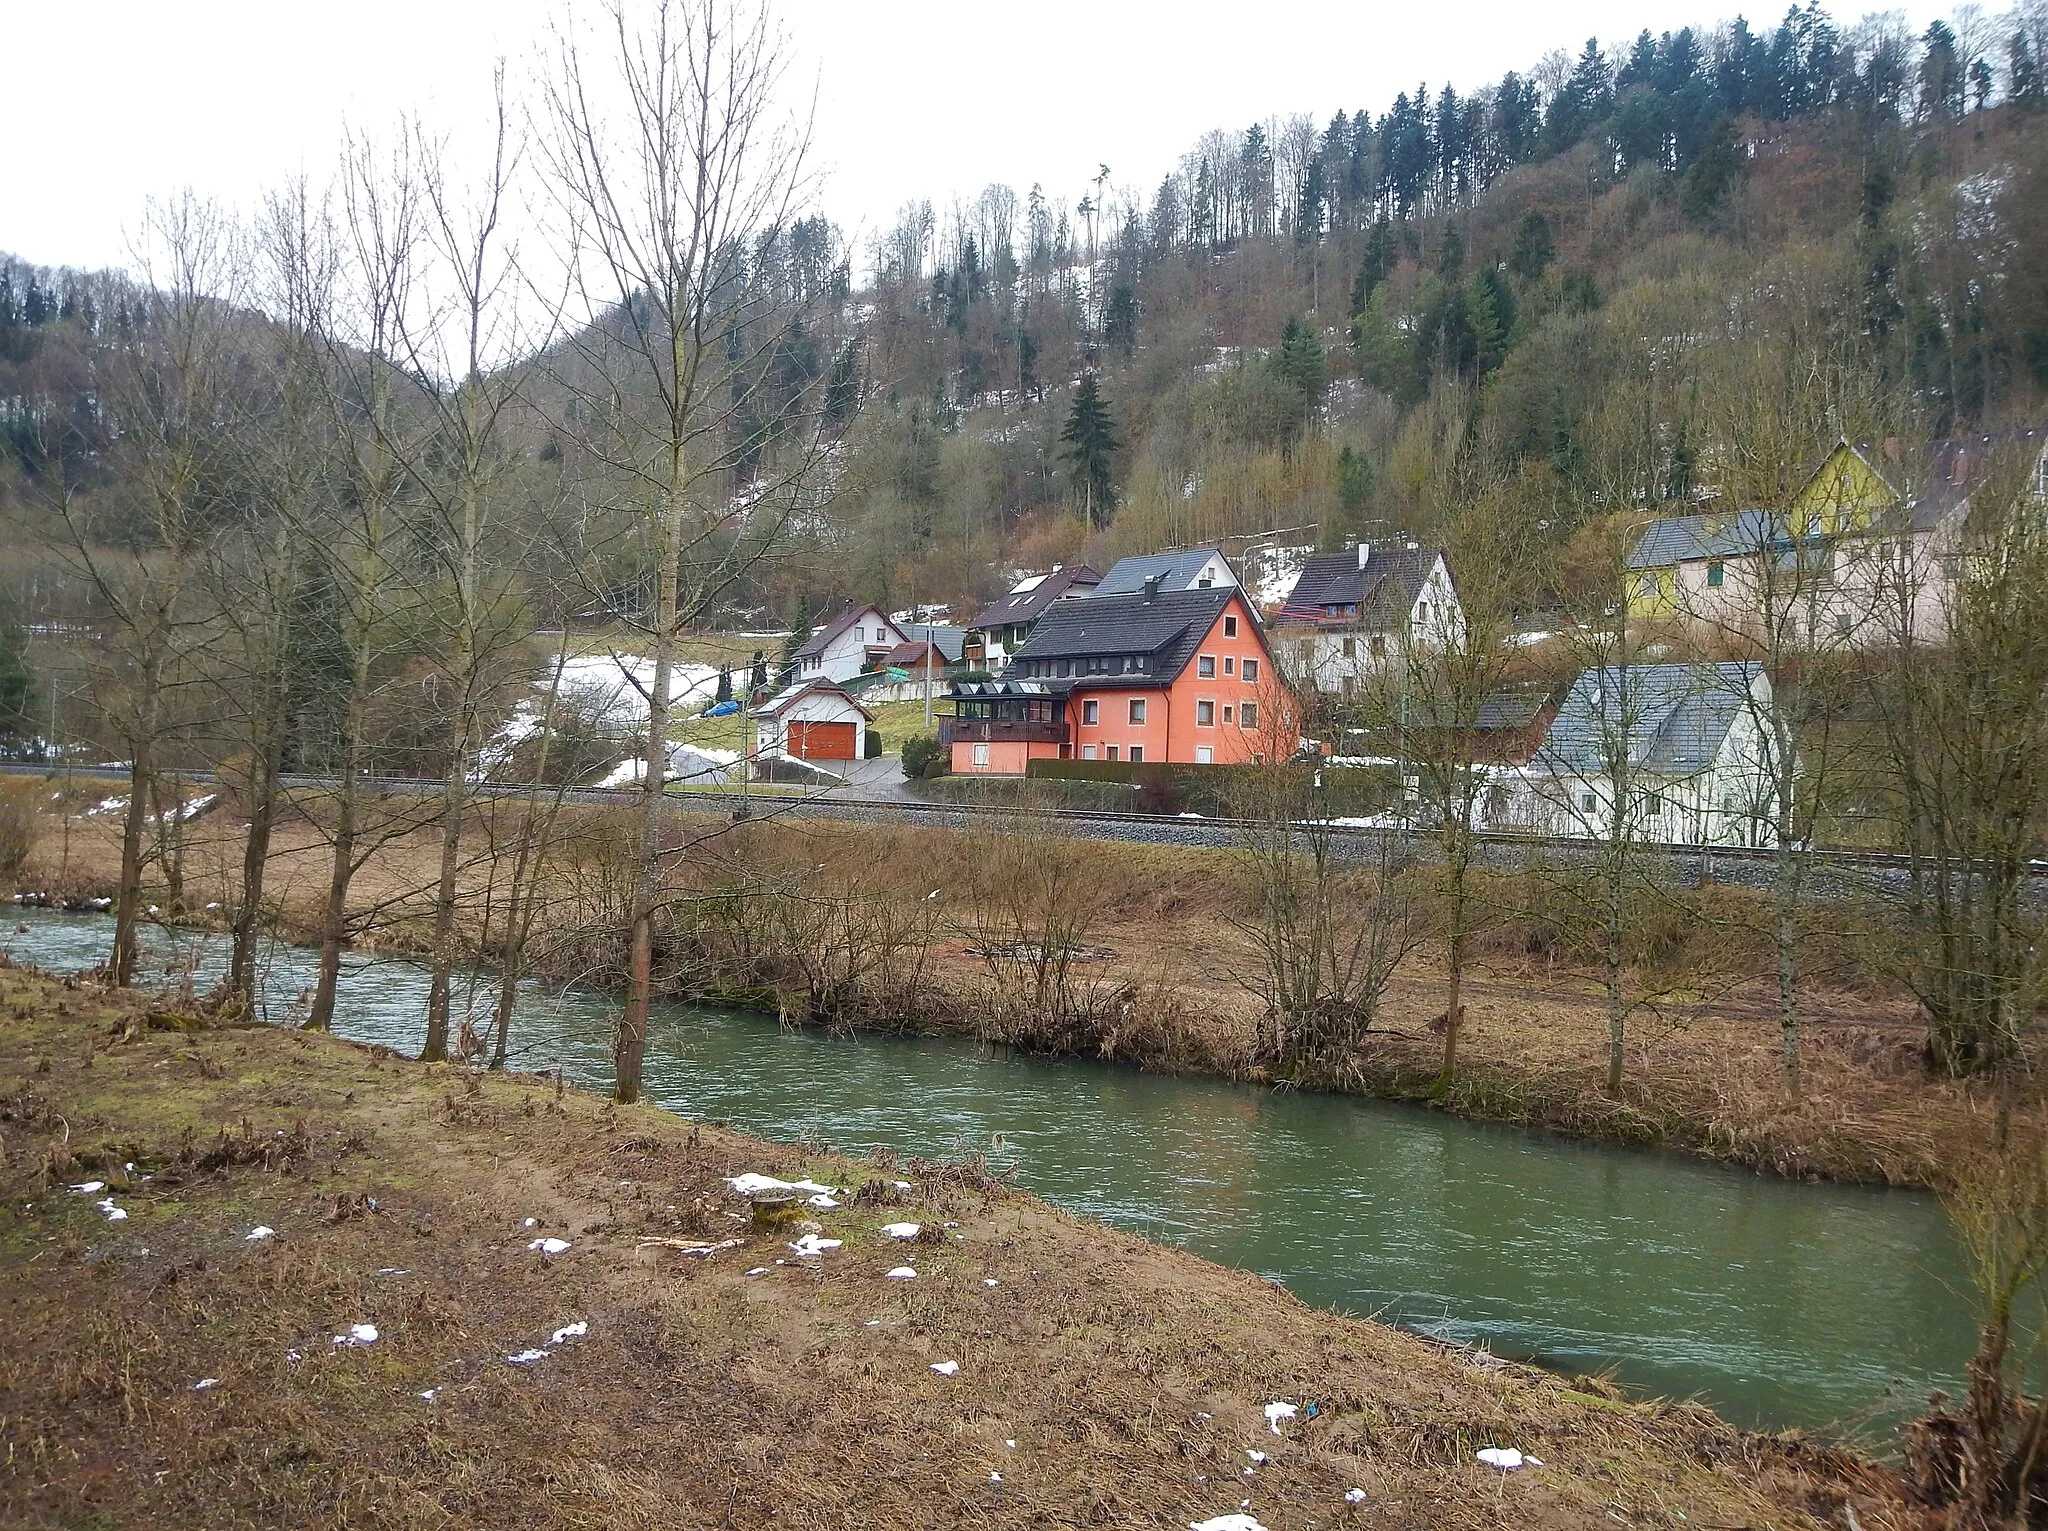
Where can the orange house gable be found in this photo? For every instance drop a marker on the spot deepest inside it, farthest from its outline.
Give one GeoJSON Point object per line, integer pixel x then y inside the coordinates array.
{"type": "Point", "coordinates": [1170, 677]}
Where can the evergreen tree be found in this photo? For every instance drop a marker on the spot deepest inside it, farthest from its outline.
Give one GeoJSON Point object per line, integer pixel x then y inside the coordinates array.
{"type": "Point", "coordinates": [1376, 266]}
{"type": "Point", "coordinates": [1450, 255]}
{"type": "Point", "coordinates": [1091, 445]}
{"type": "Point", "coordinates": [842, 388]}
{"type": "Point", "coordinates": [1299, 362]}
{"type": "Point", "coordinates": [724, 693]}
{"type": "Point", "coordinates": [800, 630]}
{"type": "Point", "coordinates": [759, 681]}
{"type": "Point", "coordinates": [1712, 174]}
{"type": "Point", "coordinates": [1534, 249]}
{"type": "Point", "coordinates": [1120, 319]}
{"type": "Point", "coordinates": [2023, 73]}
{"type": "Point", "coordinates": [1354, 484]}
{"type": "Point", "coordinates": [17, 686]}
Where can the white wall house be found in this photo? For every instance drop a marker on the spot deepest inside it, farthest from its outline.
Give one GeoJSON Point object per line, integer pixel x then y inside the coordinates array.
{"type": "Point", "coordinates": [1187, 569]}
{"type": "Point", "coordinates": [858, 637]}
{"type": "Point", "coordinates": [1687, 740]}
{"type": "Point", "coordinates": [1352, 614]}
{"type": "Point", "coordinates": [811, 720]}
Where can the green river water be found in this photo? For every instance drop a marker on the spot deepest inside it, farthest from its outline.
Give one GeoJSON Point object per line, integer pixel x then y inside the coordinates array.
{"type": "Point", "coordinates": [1777, 1302]}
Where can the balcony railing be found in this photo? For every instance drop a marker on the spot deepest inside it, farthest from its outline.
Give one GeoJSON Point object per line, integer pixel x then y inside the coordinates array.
{"type": "Point", "coordinates": [1002, 731]}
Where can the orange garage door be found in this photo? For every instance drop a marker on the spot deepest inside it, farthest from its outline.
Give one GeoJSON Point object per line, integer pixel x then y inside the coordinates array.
{"type": "Point", "coordinates": [820, 741]}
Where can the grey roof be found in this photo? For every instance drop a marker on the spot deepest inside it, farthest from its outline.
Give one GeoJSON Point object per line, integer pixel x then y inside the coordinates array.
{"type": "Point", "coordinates": [848, 615]}
{"type": "Point", "coordinates": [1682, 539]}
{"type": "Point", "coordinates": [1166, 628]}
{"type": "Point", "coordinates": [951, 642]}
{"type": "Point", "coordinates": [1384, 591]}
{"type": "Point", "coordinates": [1026, 605]}
{"type": "Point", "coordinates": [790, 693]}
{"type": "Point", "coordinates": [1177, 571]}
{"type": "Point", "coordinates": [1674, 718]}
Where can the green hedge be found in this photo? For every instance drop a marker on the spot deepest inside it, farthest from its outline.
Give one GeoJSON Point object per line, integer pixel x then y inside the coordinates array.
{"type": "Point", "coordinates": [1214, 789]}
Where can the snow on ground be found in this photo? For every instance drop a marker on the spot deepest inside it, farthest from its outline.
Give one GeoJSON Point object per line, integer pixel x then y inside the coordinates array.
{"type": "Point", "coordinates": [614, 687]}
{"type": "Point", "coordinates": [1273, 573]}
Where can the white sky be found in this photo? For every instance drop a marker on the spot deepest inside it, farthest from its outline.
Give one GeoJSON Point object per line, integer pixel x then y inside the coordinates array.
{"type": "Point", "coordinates": [111, 101]}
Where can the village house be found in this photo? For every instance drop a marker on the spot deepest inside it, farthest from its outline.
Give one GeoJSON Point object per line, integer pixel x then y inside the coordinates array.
{"type": "Point", "coordinates": [929, 659]}
{"type": "Point", "coordinates": [811, 720]}
{"type": "Point", "coordinates": [1184, 569]}
{"type": "Point", "coordinates": [858, 639]}
{"type": "Point", "coordinates": [1165, 676]}
{"type": "Point", "coordinates": [1685, 740]}
{"type": "Point", "coordinates": [1352, 614]}
{"type": "Point", "coordinates": [1001, 627]}
{"type": "Point", "coordinates": [1861, 557]}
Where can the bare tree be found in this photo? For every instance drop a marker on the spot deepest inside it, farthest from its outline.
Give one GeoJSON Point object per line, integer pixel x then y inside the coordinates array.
{"type": "Point", "coordinates": [165, 379]}
{"type": "Point", "coordinates": [684, 427]}
{"type": "Point", "coordinates": [1330, 922]}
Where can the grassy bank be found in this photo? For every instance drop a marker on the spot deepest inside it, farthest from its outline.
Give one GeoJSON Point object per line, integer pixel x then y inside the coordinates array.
{"type": "Point", "coordinates": [1100, 1380]}
{"type": "Point", "coordinates": [867, 927]}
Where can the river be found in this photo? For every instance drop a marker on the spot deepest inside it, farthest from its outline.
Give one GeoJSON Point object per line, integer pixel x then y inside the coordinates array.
{"type": "Point", "coordinates": [1777, 1302]}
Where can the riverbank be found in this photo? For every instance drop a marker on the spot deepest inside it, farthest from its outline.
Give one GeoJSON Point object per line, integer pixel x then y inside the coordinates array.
{"type": "Point", "coordinates": [1168, 990]}
{"type": "Point", "coordinates": [1133, 1380]}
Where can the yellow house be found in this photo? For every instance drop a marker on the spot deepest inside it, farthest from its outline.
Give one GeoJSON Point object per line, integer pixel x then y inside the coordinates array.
{"type": "Point", "coordinates": [1853, 558]}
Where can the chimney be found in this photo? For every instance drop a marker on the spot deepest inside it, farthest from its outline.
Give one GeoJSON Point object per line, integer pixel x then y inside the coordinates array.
{"type": "Point", "coordinates": [1364, 552]}
{"type": "Point", "coordinates": [1152, 587]}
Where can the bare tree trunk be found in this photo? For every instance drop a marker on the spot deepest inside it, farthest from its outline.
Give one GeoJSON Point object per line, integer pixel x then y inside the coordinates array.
{"type": "Point", "coordinates": [264, 768]}
{"type": "Point", "coordinates": [342, 867]}
{"type": "Point", "coordinates": [630, 1047]}
{"type": "Point", "coordinates": [141, 783]}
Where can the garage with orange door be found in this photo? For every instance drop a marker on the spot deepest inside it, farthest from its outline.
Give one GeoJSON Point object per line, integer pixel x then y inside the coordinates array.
{"type": "Point", "coordinates": [812, 739]}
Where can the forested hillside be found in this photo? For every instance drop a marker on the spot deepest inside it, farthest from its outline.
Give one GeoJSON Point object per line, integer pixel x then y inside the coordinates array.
{"type": "Point", "coordinates": [1319, 330]}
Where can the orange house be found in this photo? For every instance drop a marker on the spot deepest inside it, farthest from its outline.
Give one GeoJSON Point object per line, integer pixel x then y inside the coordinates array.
{"type": "Point", "coordinates": [1179, 677]}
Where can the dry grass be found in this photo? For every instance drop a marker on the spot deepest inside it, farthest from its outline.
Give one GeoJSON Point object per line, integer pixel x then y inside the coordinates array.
{"type": "Point", "coordinates": [1703, 1072]}
{"type": "Point", "coordinates": [1130, 1378]}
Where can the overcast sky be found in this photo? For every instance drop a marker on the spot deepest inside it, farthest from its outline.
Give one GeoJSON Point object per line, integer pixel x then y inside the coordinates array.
{"type": "Point", "coordinates": [111, 101]}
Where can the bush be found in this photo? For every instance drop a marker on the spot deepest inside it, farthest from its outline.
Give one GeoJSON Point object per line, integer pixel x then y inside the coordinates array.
{"type": "Point", "coordinates": [872, 749]}
{"type": "Point", "coordinates": [920, 751]}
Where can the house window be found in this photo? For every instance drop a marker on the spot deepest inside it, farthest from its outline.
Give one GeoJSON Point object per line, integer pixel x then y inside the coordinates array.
{"type": "Point", "coordinates": [1346, 685]}
{"type": "Point", "coordinates": [1716, 572]}
{"type": "Point", "coordinates": [1422, 613]}
{"type": "Point", "coordinates": [1251, 672]}
{"type": "Point", "coordinates": [1205, 581]}
{"type": "Point", "coordinates": [1087, 752]}
{"type": "Point", "coordinates": [1305, 651]}
{"type": "Point", "coordinates": [1204, 755]}
{"type": "Point", "coordinates": [1089, 712]}
{"type": "Point", "coordinates": [1653, 804]}
{"type": "Point", "coordinates": [1844, 624]}
{"type": "Point", "coordinates": [981, 757]}
{"type": "Point", "coordinates": [1248, 715]}
{"type": "Point", "coordinates": [1205, 667]}
{"type": "Point", "coordinates": [1229, 665]}
{"type": "Point", "coordinates": [1227, 710]}
{"type": "Point", "coordinates": [1350, 648]}
{"type": "Point", "coordinates": [1137, 754]}
{"type": "Point", "coordinates": [1137, 709]}
{"type": "Point", "coordinates": [1587, 802]}
{"type": "Point", "coordinates": [1379, 646]}
{"type": "Point", "coordinates": [1230, 627]}
{"type": "Point", "coordinates": [1205, 714]}
{"type": "Point", "coordinates": [1111, 754]}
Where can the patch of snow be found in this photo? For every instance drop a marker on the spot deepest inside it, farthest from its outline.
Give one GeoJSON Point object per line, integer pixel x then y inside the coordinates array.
{"type": "Point", "coordinates": [1257, 1456]}
{"type": "Point", "coordinates": [988, 1281]}
{"type": "Point", "coordinates": [358, 1334]}
{"type": "Point", "coordinates": [533, 1222]}
{"type": "Point", "coordinates": [431, 1394]}
{"type": "Point", "coordinates": [204, 1383]}
{"type": "Point", "coordinates": [759, 1270]}
{"type": "Point", "coordinates": [900, 1230]}
{"type": "Point", "coordinates": [901, 1273]}
{"type": "Point", "coordinates": [114, 1214]}
{"type": "Point", "coordinates": [811, 1244]}
{"type": "Point", "coordinates": [527, 1357]}
{"type": "Point", "coordinates": [89, 1187]}
{"type": "Point", "coordinates": [259, 1233]}
{"type": "Point", "coordinates": [1506, 1458]}
{"type": "Point", "coordinates": [995, 1477]}
{"type": "Point", "coordinates": [549, 1246]}
{"type": "Point", "coordinates": [1271, 573]}
{"type": "Point", "coordinates": [1275, 1412]}
{"type": "Point", "coordinates": [613, 687]}
{"type": "Point", "coordinates": [901, 1185]}
{"type": "Point", "coordinates": [574, 1331]}
{"type": "Point", "coordinates": [1237, 1521]}
{"type": "Point", "coordinates": [946, 1368]}
{"type": "Point", "coordinates": [1354, 1496]}
{"type": "Point", "coordinates": [822, 1202]}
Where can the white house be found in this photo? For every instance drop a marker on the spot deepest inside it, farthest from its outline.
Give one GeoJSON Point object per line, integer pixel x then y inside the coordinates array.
{"type": "Point", "coordinates": [1352, 614]}
{"type": "Point", "coordinates": [1685, 742]}
{"type": "Point", "coordinates": [811, 720]}
{"type": "Point", "coordinates": [1187, 569]}
{"type": "Point", "coordinates": [859, 637]}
